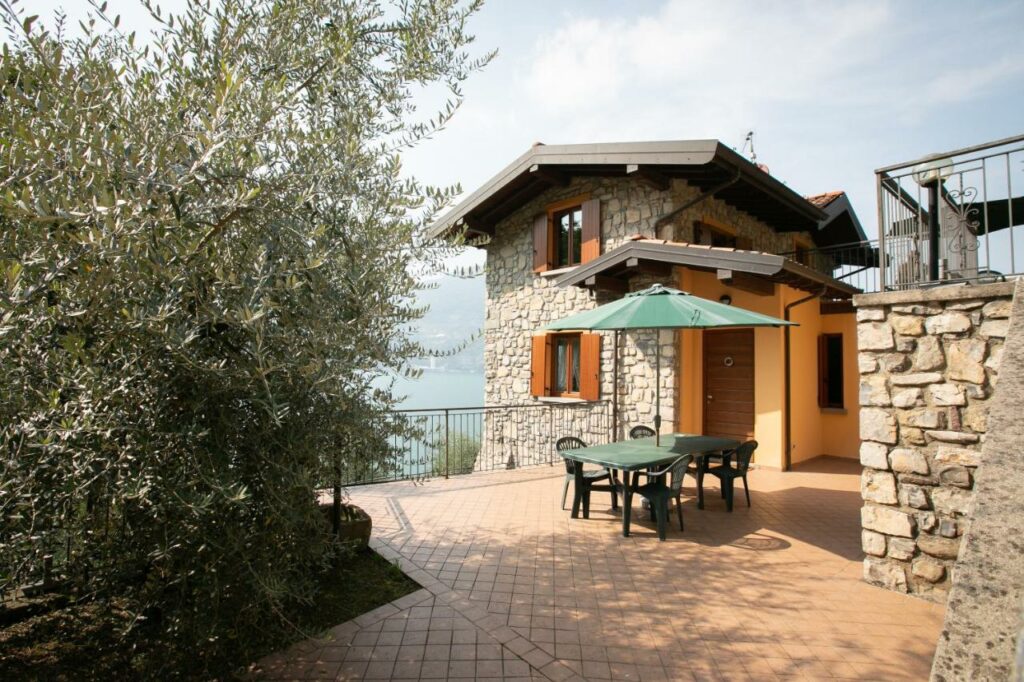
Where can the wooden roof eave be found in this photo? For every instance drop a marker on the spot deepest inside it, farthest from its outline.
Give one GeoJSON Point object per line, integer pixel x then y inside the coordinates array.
{"type": "Point", "coordinates": [656, 161]}
{"type": "Point", "coordinates": [766, 265]}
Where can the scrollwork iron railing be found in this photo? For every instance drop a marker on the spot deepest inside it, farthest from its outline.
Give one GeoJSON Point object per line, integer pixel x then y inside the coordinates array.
{"type": "Point", "coordinates": [952, 217]}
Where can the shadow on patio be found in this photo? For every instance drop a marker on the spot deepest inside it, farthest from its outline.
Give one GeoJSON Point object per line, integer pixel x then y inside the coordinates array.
{"type": "Point", "coordinates": [516, 589]}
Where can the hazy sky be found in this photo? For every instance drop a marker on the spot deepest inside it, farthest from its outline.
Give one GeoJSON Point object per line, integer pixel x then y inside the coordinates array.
{"type": "Point", "coordinates": [832, 90]}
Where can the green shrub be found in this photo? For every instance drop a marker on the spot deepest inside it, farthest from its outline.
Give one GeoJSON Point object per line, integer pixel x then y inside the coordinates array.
{"type": "Point", "coordinates": [463, 450]}
{"type": "Point", "coordinates": [206, 248]}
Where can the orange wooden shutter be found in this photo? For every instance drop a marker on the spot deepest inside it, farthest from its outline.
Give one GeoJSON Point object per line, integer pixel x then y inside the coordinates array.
{"type": "Point", "coordinates": [591, 247]}
{"type": "Point", "coordinates": [590, 366]}
{"type": "Point", "coordinates": [540, 363]}
{"type": "Point", "coordinates": [541, 243]}
{"type": "Point", "coordinates": [822, 371]}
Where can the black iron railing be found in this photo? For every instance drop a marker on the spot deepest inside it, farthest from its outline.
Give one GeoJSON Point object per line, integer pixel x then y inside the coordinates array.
{"type": "Point", "coordinates": [856, 264]}
{"type": "Point", "coordinates": [446, 442]}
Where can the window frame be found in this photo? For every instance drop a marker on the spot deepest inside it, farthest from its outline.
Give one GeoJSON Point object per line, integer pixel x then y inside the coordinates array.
{"type": "Point", "coordinates": [802, 249]}
{"type": "Point", "coordinates": [554, 211]}
{"type": "Point", "coordinates": [724, 232]}
{"type": "Point", "coordinates": [570, 355]}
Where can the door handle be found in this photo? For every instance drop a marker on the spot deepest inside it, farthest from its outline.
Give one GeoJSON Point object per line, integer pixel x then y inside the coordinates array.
{"type": "Point", "coordinates": [710, 398]}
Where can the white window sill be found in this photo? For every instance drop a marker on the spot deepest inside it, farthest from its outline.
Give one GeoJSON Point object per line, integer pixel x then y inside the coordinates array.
{"type": "Point", "coordinates": [554, 399]}
{"type": "Point", "coordinates": [559, 271]}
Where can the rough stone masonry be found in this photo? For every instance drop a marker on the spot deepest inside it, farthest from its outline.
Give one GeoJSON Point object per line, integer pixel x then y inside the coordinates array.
{"type": "Point", "coordinates": [929, 362]}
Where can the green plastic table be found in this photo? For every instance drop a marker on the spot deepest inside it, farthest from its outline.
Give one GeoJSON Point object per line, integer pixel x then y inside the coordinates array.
{"type": "Point", "coordinates": [638, 455]}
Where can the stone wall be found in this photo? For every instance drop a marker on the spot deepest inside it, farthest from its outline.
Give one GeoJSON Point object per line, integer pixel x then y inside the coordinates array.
{"type": "Point", "coordinates": [929, 361]}
{"type": "Point", "coordinates": [520, 302]}
{"type": "Point", "coordinates": [983, 634]}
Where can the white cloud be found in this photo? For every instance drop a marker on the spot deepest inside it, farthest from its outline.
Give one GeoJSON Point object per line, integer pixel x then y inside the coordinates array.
{"type": "Point", "coordinates": [832, 89]}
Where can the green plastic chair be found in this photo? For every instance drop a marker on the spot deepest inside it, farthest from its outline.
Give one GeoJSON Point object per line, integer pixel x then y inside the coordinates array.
{"type": "Point", "coordinates": [641, 431]}
{"type": "Point", "coordinates": [590, 477]}
{"type": "Point", "coordinates": [659, 494]}
{"type": "Point", "coordinates": [741, 456]}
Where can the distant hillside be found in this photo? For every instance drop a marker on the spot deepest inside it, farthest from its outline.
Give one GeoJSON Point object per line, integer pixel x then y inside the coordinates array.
{"type": "Point", "coordinates": [456, 313]}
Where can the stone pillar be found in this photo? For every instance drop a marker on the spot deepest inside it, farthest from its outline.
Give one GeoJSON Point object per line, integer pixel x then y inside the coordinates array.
{"type": "Point", "coordinates": [929, 361]}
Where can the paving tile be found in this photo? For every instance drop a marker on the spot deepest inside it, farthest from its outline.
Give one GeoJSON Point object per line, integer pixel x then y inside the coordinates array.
{"type": "Point", "coordinates": [767, 592]}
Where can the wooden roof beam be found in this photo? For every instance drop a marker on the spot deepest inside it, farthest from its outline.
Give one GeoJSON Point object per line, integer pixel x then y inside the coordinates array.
{"type": "Point", "coordinates": [549, 175]}
{"type": "Point", "coordinates": [474, 226]}
{"type": "Point", "coordinates": [605, 283]}
{"type": "Point", "coordinates": [648, 176]}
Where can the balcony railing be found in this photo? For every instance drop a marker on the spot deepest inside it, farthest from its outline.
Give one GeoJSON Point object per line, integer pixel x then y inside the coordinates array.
{"type": "Point", "coordinates": [952, 217]}
{"type": "Point", "coordinates": [855, 264]}
{"type": "Point", "coordinates": [447, 442]}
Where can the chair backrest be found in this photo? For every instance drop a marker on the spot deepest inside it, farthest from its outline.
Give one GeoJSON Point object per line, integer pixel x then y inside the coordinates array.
{"type": "Point", "coordinates": [678, 471]}
{"type": "Point", "coordinates": [569, 443]}
{"type": "Point", "coordinates": [743, 454]}
{"type": "Point", "coordinates": [641, 431]}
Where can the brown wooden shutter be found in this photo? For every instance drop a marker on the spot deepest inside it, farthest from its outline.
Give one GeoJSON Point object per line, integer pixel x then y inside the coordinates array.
{"type": "Point", "coordinates": [822, 371]}
{"type": "Point", "coordinates": [541, 244]}
{"type": "Point", "coordinates": [540, 366]}
{"type": "Point", "coordinates": [744, 243]}
{"type": "Point", "coordinates": [591, 247]}
{"type": "Point", "coordinates": [590, 366]}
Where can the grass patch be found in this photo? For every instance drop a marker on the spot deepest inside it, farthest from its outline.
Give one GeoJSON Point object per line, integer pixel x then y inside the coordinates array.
{"type": "Point", "coordinates": [85, 641]}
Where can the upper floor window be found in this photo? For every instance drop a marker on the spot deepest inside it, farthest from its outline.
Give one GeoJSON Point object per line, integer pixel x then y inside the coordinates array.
{"type": "Point", "coordinates": [568, 233]}
{"type": "Point", "coordinates": [715, 234]}
{"type": "Point", "coordinates": [801, 251]}
{"type": "Point", "coordinates": [568, 225]}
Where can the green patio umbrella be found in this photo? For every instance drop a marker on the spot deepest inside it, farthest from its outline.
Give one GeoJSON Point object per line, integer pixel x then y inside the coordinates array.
{"type": "Point", "coordinates": [661, 307]}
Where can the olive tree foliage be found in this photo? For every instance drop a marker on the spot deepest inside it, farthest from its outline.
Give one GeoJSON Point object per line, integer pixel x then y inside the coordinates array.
{"type": "Point", "coordinates": [206, 242]}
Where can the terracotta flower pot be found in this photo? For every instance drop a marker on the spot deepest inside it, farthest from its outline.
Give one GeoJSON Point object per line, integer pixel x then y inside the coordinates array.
{"type": "Point", "coordinates": [355, 526]}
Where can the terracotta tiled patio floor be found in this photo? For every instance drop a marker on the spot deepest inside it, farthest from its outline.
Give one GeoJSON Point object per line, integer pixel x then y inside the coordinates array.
{"type": "Point", "coordinates": [516, 589]}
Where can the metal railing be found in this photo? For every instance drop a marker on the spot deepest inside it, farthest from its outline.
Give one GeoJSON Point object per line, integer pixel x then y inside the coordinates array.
{"type": "Point", "coordinates": [446, 442]}
{"type": "Point", "coordinates": [952, 217]}
{"type": "Point", "coordinates": [855, 264]}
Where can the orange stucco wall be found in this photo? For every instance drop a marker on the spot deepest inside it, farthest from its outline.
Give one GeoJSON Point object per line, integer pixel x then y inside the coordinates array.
{"type": "Point", "coordinates": [814, 431]}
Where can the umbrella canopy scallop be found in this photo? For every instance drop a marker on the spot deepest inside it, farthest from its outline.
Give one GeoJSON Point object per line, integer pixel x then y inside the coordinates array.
{"type": "Point", "coordinates": [661, 307]}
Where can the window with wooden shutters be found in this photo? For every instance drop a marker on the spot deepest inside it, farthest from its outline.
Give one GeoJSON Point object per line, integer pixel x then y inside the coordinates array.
{"type": "Point", "coordinates": [591, 230]}
{"type": "Point", "coordinates": [568, 234]}
{"type": "Point", "coordinates": [540, 373]}
{"type": "Point", "coordinates": [830, 371]}
{"type": "Point", "coordinates": [590, 366]}
{"type": "Point", "coordinates": [541, 244]}
{"type": "Point", "coordinates": [566, 365]}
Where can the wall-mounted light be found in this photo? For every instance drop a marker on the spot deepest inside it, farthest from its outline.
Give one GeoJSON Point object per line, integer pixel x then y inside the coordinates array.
{"type": "Point", "coordinates": [725, 299]}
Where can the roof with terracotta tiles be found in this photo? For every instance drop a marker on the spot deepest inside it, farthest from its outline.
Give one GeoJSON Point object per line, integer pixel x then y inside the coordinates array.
{"type": "Point", "coordinates": [823, 200]}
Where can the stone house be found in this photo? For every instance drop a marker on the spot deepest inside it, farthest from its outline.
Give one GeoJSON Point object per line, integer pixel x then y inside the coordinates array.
{"type": "Point", "coordinates": [569, 227]}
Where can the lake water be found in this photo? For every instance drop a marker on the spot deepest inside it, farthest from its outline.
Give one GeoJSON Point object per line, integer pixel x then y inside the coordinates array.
{"type": "Point", "coordinates": [441, 389]}
{"type": "Point", "coordinates": [437, 390]}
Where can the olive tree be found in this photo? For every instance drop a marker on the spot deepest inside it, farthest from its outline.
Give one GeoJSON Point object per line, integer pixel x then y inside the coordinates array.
{"type": "Point", "coordinates": [206, 248]}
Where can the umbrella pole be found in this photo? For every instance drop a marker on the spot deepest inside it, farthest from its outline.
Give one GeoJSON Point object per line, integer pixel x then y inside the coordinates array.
{"type": "Point", "coordinates": [657, 387]}
{"type": "Point", "coordinates": [615, 388]}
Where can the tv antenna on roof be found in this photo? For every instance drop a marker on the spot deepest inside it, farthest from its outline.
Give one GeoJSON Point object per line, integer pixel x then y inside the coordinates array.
{"type": "Point", "coordinates": [749, 142]}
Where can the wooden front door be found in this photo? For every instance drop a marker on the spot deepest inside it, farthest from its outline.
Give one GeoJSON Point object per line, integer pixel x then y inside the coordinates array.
{"type": "Point", "coordinates": [729, 383]}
